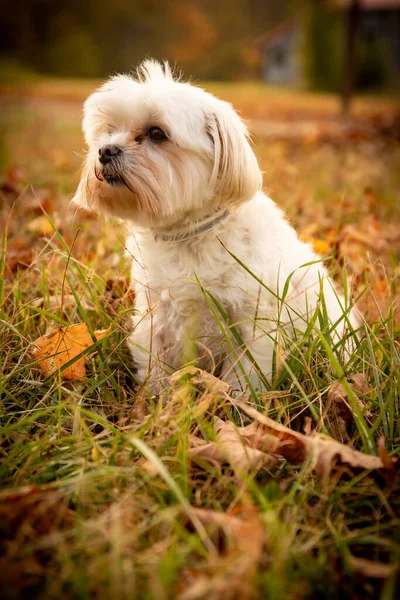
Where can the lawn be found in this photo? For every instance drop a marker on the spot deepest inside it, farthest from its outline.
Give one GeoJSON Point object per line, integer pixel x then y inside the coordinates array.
{"type": "Point", "coordinates": [104, 494]}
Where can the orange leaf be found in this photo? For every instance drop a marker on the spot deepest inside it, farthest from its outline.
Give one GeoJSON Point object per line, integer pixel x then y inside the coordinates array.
{"type": "Point", "coordinates": [320, 246]}
{"type": "Point", "coordinates": [59, 346]}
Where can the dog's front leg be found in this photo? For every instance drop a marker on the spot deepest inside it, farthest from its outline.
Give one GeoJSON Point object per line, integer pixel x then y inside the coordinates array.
{"type": "Point", "coordinates": [150, 345]}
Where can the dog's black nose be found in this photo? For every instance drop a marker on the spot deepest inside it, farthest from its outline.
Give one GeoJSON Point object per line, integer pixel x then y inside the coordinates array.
{"type": "Point", "coordinates": [108, 152]}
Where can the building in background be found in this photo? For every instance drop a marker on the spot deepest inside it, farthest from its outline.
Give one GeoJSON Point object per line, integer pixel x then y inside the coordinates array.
{"type": "Point", "coordinates": [280, 56]}
{"type": "Point", "coordinates": [283, 49]}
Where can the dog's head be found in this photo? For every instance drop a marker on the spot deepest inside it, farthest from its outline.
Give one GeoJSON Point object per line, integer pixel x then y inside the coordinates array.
{"type": "Point", "coordinates": [159, 149]}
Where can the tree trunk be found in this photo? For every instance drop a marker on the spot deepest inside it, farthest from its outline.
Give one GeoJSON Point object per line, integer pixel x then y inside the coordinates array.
{"type": "Point", "coordinates": [349, 58]}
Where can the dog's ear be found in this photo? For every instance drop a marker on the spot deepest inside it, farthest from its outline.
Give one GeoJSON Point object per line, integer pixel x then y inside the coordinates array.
{"type": "Point", "coordinates": [84, 193]}
{"type": "Point", "coordinates": [236, 174]}
{"type": "Point", "coordinates": [80, 197]}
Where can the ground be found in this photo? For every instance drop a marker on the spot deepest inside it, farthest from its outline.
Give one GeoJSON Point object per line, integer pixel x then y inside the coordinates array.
{"type": "Point", "coordinates": [108, 493]}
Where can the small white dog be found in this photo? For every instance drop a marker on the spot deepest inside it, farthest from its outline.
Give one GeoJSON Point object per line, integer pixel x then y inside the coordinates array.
{"type": "Point", "coordinates": [214, 260]}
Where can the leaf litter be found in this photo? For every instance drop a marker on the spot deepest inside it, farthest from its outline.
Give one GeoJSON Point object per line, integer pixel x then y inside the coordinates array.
{"type": "Point", "coordinates": [338, 412]}
{"type": "Point", "coordinates": [27, 513]}
{"type": "Point", "coordinates": [239, 538]}
{"type": "Point", "coordinates": [264, 440]}
{"type": "Point", "coordinates": [359, 245]}
{"type": "Point", "coordinates": [231, 446]}
{"type": "Point", "coordinates": [324, 453]}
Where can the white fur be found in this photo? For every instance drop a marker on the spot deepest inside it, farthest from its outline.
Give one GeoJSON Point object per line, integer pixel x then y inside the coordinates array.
{"type": "Point", "coordinates": [207, 164]}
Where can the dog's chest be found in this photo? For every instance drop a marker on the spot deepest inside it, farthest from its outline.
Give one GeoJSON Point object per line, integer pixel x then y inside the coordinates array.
{"type": "Point", "coordinates": [184, 273]}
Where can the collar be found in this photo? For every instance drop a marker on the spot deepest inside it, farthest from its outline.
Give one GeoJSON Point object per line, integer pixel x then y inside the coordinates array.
{"type": "Point", "coordinates": [195, 228]}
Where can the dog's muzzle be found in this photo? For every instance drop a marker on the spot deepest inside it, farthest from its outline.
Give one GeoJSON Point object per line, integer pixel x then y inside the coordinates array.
{"type": "Point", "coordinates": [110, 164]}
{"type": "Point", "coordinates": [108, 153]}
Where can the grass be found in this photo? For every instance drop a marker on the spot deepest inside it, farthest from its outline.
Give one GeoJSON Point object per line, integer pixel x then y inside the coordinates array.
{"type": "Point", "coordinates": [113, 482]}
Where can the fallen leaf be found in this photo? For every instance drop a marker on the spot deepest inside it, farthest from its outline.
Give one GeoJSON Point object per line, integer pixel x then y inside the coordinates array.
{"type": "Point", "coordinates": [376, 302]}
{"type": "Point", "coordinates": [229, 575]}
{"type": "Point", "coordinates": [256, 437]}
{"type": "Point", "coordinates": [205, 382]}
{"type": "Point", "coordinates": [210, 389]}
{"type": "Point", "coordinates": [37, 201]}
{"type": "Point", "coordinates": [362, 244]}
{"type": "Point", "coordinates": [10, 187]}
{"type": "Point", "coordinates": [26, 514]}
{"type": "Point", "coordinates": [372, 233]}
{"type": "Point", "coordinates": [118, 287]}
{"type": "Point", "coordinates": [13, 175]}
{"type": "Point", "coordinates": [59, 346]}
{"type": "Point", "coordinates": [355, 255]}
{"type": "Point", "coordinates": [325, 453]}
{"type": "Point", "coordinates": [338, 412]}
{"type": "Point", "coordinates": [384, 455]}
{"type": "Point", "coordinates": [320, 246]}
{"type": "Point", "coordinates": [19, 257]}
{"type": "Point", "coordinates": [41, 226]}
{"type": "Point", "coordinates": [230, 446]}
{"type": "Point", "coordinates": [118, 291]}
{"type": "Point", "coordinates": [33, 508]}
{"type": "Point", "coordinates": [370, 568]}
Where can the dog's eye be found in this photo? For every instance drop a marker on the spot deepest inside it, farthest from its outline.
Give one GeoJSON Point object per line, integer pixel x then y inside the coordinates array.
{"type": "Point", "coordinates": [156, 134]}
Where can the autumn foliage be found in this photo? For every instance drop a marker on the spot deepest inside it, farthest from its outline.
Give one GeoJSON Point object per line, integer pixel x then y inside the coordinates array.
{"type": "Point", "coordinates": [110, 492]}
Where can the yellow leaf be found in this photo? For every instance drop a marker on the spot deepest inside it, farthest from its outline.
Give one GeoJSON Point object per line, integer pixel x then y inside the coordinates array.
{"type": "Point", "coordinates": [40, 225]}
{"type": "Point", "coordinates": [320, 246]}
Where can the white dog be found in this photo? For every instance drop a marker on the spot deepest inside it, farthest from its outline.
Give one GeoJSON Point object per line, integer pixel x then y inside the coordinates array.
{"type": "Point", "coordinates": [216, 266]}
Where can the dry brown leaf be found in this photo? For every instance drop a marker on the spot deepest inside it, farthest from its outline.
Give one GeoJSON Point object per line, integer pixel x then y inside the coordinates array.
{"type": "Point", "coordinates": [372, 233]}
{"type": "Point", "coordinates": [338, 409]}
{"type": "Point", "coordinates": [18, 257]}
{"type": "Point", "coordinates": [118, 291]}
{"type": "Point", "coordinates": [369, 235]}
{"type": "Point", "coordinates": [256, 437]}
{"type": "Point", "coordinates": [370, 568]}
{"type": "Point", "coordinates": [205, 382]}
{"type": "Point", "coordinates": [231, 447]}
{"type": "Point", "coordinates": [211, 390]}
{"type": "Point", "coordinates": [362, 243]}
{"type": "Point", "coordinates": [61, 345]}
{"type": "Point", "coordinates": [26, 514]}
{"type": "Point", "coordinates": [324, 452]}
{"type": "Point", "coordinates": [355, 255]}
{"type": "Point", "coordinates": [377, 301]}
{"type": "Point", "coordinates": [239, 541]}
{"type": "Point", "coordinates": [35, 508]}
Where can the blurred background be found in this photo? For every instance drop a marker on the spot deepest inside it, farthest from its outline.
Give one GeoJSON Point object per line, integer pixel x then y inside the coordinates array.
{"type": "Point", "coordinates": [317, 82]}
{"type": "Point", "coordinates": [297, 42]}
